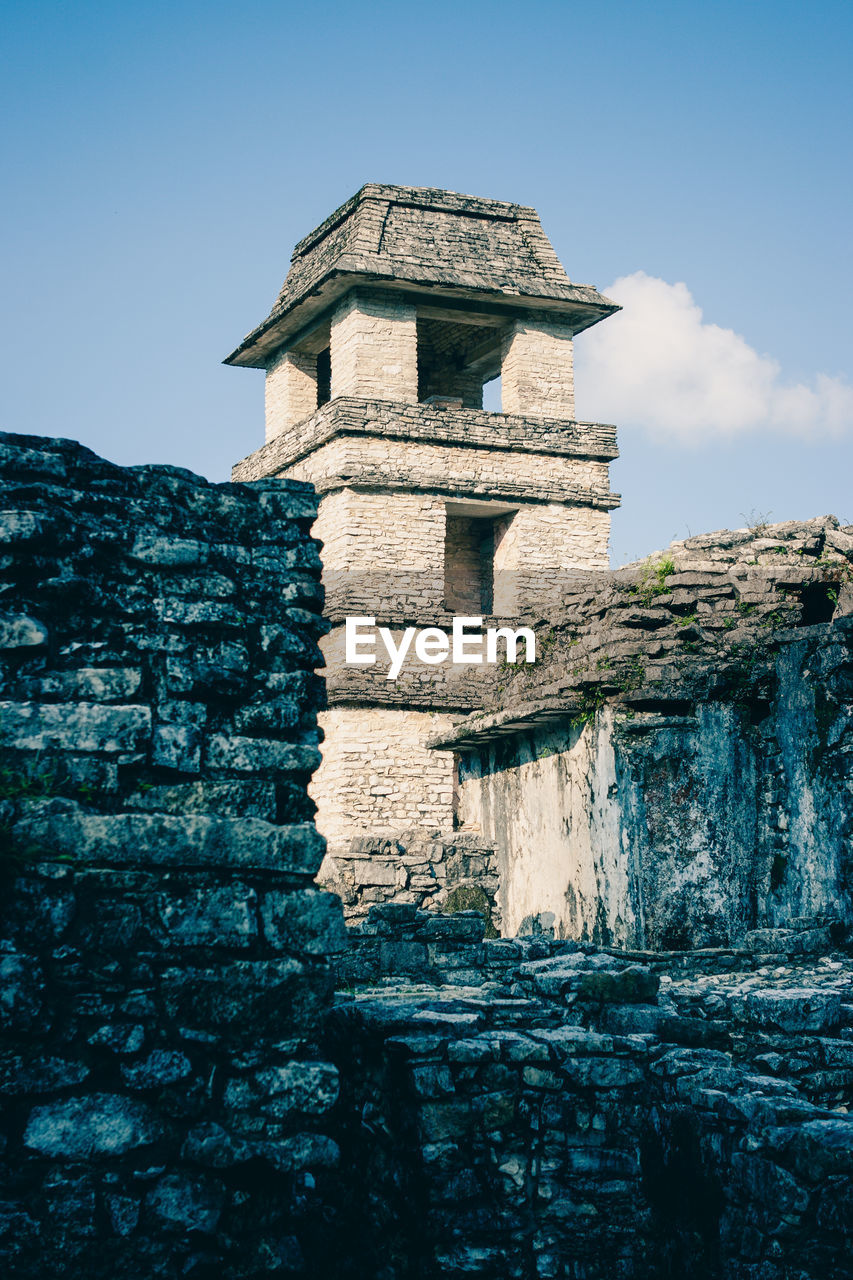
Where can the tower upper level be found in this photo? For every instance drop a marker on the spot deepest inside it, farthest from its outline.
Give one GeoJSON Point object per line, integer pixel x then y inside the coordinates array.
{"type": "Point", "coordinates": [460, 251]}
{"type": "Point", "coordinates": [415, 296]}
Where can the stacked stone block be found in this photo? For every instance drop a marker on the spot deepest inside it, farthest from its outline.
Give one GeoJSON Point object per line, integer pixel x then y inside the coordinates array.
{"type": "Point", "coordinates": [511, 433]}
{"type": "Point", "coordinates": [374, 348]}
{"type": "Point", "coordinates": [290, 391]}
{"type": "Point", "coordinates": [165, 954]}
{"type": "Point", "coordinates": [543, 1109]}
{"type": "Point", "coordinates": [537, 369]}
{"type": "Point", "coordinates": [379, 778]}
{"type": "Point", "coordinates": [439, 873]}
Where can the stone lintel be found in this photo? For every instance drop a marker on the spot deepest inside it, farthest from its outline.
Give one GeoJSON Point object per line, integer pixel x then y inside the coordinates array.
{"type": "Point", "coordinates": [578, 305]}
{"type": "Point", "coordinates": [375, 480]}
{"type": "Point", "coordinates": [477, 729]}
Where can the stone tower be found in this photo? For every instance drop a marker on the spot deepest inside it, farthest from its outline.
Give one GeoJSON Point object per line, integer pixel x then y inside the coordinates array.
{"type": "Point", "coordinates": [395, 313]}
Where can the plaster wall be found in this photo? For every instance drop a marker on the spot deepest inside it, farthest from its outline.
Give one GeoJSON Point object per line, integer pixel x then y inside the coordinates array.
{"type": "Point", "coordinates": [675, 832]}
{"type": "Point", "coordinates": [549, 804]}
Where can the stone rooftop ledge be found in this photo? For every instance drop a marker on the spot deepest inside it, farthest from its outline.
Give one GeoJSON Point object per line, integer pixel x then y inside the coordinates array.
{"type": "Point", "coordinates": [474, 428]}
{"type": "Point", "coordinates": [423, 197]}
{"type": "Point", "coordinates": [821, 538]}
{"type": "Point", "coordinates": [448, 245]}
{"type": "Point", "coordinates": [658, 640]}
{"type": "Point", "coordinates": [477, 729]}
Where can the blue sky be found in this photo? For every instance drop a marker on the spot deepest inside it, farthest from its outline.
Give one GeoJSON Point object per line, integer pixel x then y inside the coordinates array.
{"type": "Point", "coordinates": [162, 160]}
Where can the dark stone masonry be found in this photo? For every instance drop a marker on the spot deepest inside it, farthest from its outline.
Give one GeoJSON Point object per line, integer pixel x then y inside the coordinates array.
{"type": "Point", "coordinates": [182, 1093]}
{"type": "Point", "coordinates": [553, 1110]}
{"type": "Point", "coordinates": [165, 957]}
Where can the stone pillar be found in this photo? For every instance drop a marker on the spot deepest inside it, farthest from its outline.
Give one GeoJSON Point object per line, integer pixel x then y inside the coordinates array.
{"type": "Point", "coordinates": [537, 376]}
{"type": "Point", "coordinates": [374, 347]}
{"type": "Point", "coordinates": [290, 391]}
{"type": "Point", "coordinates": [466, 384]}
{"type": "Point", "coordinates": [470, 386]}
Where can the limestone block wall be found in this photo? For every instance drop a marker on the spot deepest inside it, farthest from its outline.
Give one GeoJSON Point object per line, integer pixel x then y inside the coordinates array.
{"type": "Point", "coordinates": [651, 1117]}
{"type": "Point", "coordinates": [378, 776]}
{"type": "Point", "coordinates": [537, 369]}
{"type": "Point", "coordinates": [419, 685]}
{"type": "Point", "coordinates": [382, 553]}
{"type": "Point", "coordinates": [362, 531]}
{"type": "Point", "coordinates": [290, 391]}
{"type": "Point", "coordinates": [539, 549]}
{"type": "Point", "coordinates": [374, 348]}
{"type": "Point", "coordinates": [451, 469]}
{"type": "Point", "coordinates": [348, 415]}
{"type": "Point", "coordinates": [541, 545]}
{"type": "Point", "coordinates": [385, 805]}
{"type": "Point", "coordinates": [386, 552]}
{"type": "Point", "coordinates": [441, 872]}
{"type": "Point", "coordinates": [165, 955]}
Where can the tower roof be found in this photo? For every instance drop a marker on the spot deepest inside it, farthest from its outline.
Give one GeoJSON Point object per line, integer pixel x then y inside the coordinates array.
{"type": "Point", "coordinates": [456, 249]}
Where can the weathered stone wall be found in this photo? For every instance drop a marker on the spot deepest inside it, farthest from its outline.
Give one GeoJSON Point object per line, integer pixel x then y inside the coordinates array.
{"type": "Point", "coordinates": [385, 556]}
{"type": "Point", "coordinates": [539, 549]}
{"type": "Point", "coordinates": [174, 1098]}
{"type": "Point", "coordinates": [430, 870]}
{"type": "Point", "coordinates": [550, 803]}
{"type": "Point", "coordinates": [349, 415]}
{"type": "Point", "coordinates": [378, 776]}
{"type": "Point", "coordinates": [676, 769]}
{"type": "Point", "coordinates": [454, 471]}
{"type": "Point", "coordinates": [545, 1110]}
{"type": "Point", "coordinates": [164, 952]}
{"type": "Point", "coordinates": [542, 544]}
{"type": "Point", "coordinates": [362, 533]}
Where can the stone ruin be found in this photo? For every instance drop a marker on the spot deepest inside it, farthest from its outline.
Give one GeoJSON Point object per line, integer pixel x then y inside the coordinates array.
{"type": "Point", "coordinates": [632, 1058]}
{"type": "Point", "coordinates": [396, 311]}
{"type": "Point", "coordinates": [675, 770]}
{"type": "Point", "coordinates": [614, 792]}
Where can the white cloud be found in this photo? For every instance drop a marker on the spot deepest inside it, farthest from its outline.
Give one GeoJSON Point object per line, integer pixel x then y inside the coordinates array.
{"type": "Point", "coordinates": [658, 365]}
